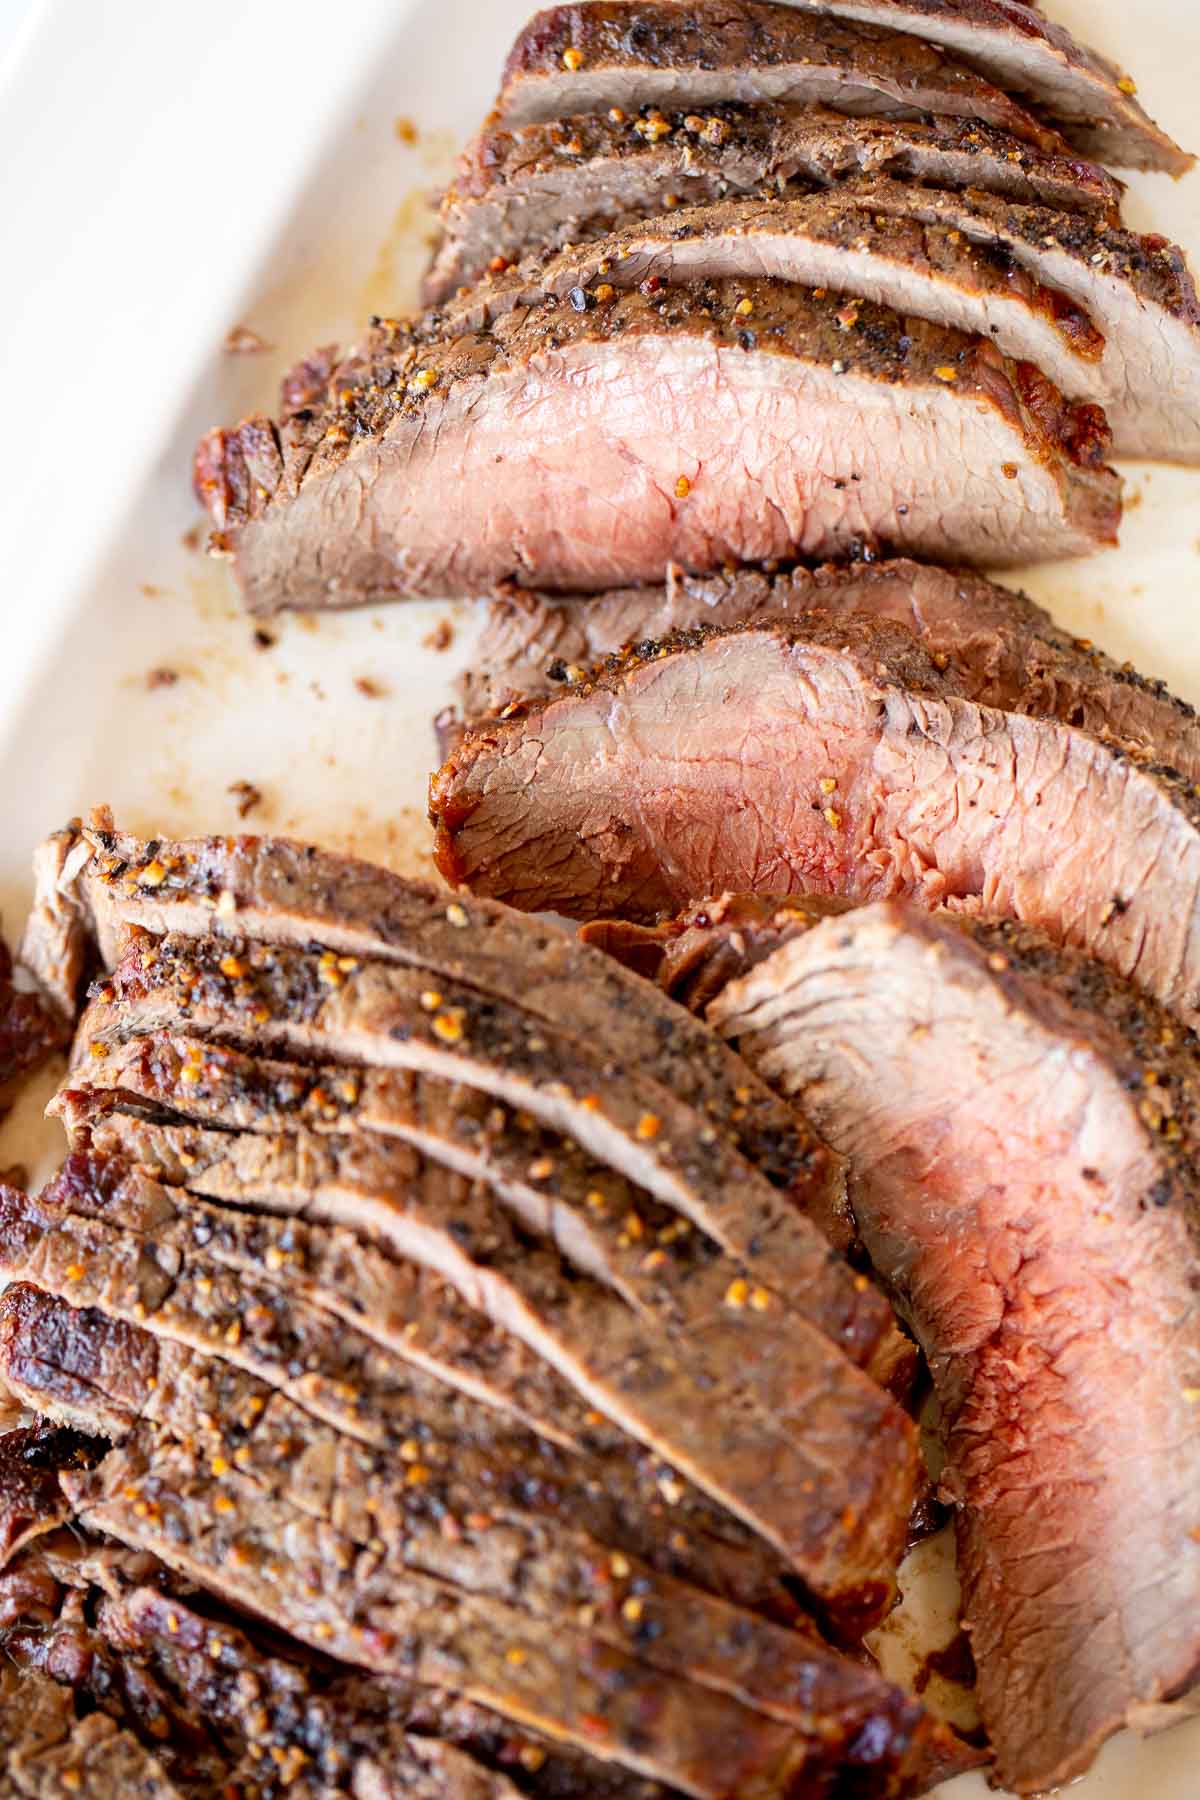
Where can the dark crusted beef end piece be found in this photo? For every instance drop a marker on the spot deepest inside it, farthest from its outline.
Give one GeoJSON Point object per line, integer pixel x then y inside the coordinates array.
{"type": "Point", "coordinates": [29, 1031]}
{"type": "Point", "coordinates": [31, 1500]}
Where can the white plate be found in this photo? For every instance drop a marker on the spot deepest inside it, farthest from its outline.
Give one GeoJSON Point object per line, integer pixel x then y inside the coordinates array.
{"type": "Point", "coordinates": [170, 172]}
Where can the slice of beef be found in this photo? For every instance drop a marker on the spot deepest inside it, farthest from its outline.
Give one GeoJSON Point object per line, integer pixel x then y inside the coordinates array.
{"type": "Point", "coordinates": [56, 947]}
{"type": "Point", "coordinates": [680, 404]}
{"type": "Point", "coordinates": [631, 54]}
{"type": "Point", "coordinates": [896, 785]}
{"type": "Point", "coordinates": [542, 1558]}
{"type": "Point", "coordinates": [262, 1555]}
{"type": "Point", "coordinates": [979, 263]}
{"type": "Point", "coordinates": [1137, 291]}
{"type": "Point", "coordinates": [254, 997]}
{"type": "Point", "coordinates": [281, 892]}
{"type": "Point", "coordinates": [1023, 1133]}
{"type": "Point", "coordinates": [105, 1238]}
{"type": "Point", "coordinates": [104, 1374]}
{"type": "Point", "coordinates": [29, 1031]}
{"type": "Point", "coordinates": [579, 178]}
{"type": "Point", "coordinates": [1005, 650]}
{"type": "Point", "coordinates": [606, 1226]}
{"type": "Point", "coordinates": [1015, 45]}
{"type": "Point", "coordinates": [48, 1751]}
{"type": "Point", "coordinates": [831, 240]}
{"type": "Point", "coordinates": [31, 1501]}
{"type": "Point", "coordinates": [327, 1715]}
{"type": "Point", "coordinates": [326, 1732]}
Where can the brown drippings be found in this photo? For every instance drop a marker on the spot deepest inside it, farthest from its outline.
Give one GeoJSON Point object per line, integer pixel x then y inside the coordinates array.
{"type": "Point", "coordinates": [241, 341]}
{"type": "Point", "coordinates": [248, 797]}
{"type": "Point", "coordinates": [954, 1662]}
{"type": "Point", "coordinates": [441, 637]}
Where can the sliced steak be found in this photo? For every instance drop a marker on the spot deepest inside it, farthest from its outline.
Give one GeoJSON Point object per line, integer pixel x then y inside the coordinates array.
{"type": "Point", "coordinates": [562, 1677]}
{"type": "Point", "coordinates": [1137, 291]}
{"type": "Point", "coordinates": [102, 1373]}
{"type": "Point", "coordinates": [48, 1751]}
{"type": "Point", "coordinates": [29, 1031]}
{"type": "Point", "coordinates": [896, 785]}
{"type": "Point", "coordinates": [281, 892]}
{"type": "Point", "coordinates": [110, 1240]}
{"type": "Point", "coordinates": [831, 240]}
{"type": "Point", "coordinates": [579, 178]}
{"type": "Point", "coordinates": [682, 406]}
{"type": "Point", "coordinates": [1022, 1131]}
{"type": "Point", "coordinates": [323, 1130]}
{"type": "Point", "coordinates": [541, 1557]}
{"type": "Point", "coordinates": [1042, 284]}
{"type": "Point", "coordinates": [1014, 44]}
{"type": "Point", "coordinates": [331, 1732]}
{"type": "Point", "coordinates": [253, 997]}
{"type": "Point", "coordinates": [448, 1342]}
{"type": "Point", "coordinates": [1005, 650]}
{"type": "Point", "coordinates": [31, 1501]}
{"type": "Point", "coordinates": [227, 1714]}
{"type": "Point", "coordinates": [648, 53]}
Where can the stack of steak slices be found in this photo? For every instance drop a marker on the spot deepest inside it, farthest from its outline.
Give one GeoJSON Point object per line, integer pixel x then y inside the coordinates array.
{"type": "Point", "coordinates": [733, 282]}
{"type": "Point", "coordinates": [443, 1295]}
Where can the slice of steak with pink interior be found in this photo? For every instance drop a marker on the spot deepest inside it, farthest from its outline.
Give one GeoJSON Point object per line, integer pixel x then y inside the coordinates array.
{"type": "Point", "coordinates": [893, 784]}
{"type": "Point", "coordinates": [1005, 650]}
{"type": "Point", "coordinates": [832, 240]}
{"type": "Point", "coordinates": [725, 420]}
{"type": "Point", "coordinates": [573, 179]}
{"type": "Point", "coordinates": [1138, 291]}
{"type": "Point", "coordinates": [1022, 1131]}
{"type": "Point", "coordinates": [1015, 45]}
{"type": "Point", "coordinates": [631, 54]}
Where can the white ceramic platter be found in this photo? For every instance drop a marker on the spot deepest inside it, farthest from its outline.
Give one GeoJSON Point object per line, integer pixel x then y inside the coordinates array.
{"type": "Point", "coordinates": [168, 173]}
